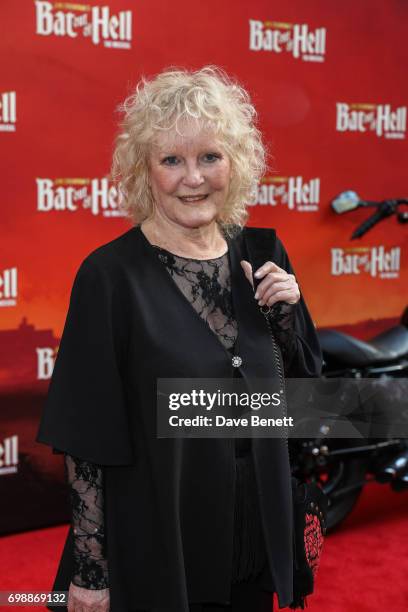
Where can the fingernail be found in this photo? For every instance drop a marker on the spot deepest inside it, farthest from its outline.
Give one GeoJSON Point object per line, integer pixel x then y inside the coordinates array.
{"type": "Point", "coordinates": [257, 273]}
{"type": "Point", "coordinates": [256, 295]}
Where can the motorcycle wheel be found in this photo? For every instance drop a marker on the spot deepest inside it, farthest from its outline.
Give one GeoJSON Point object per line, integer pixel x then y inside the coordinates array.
{"type": "Point", "coordinates": [339, 475]}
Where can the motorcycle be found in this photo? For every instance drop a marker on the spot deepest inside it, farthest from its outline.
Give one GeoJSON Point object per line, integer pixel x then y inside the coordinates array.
{"type": "Point", "coordinates": [343, 467]}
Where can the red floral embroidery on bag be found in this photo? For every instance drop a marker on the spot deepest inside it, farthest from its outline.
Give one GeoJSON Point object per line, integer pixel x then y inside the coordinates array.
{"type": "Point", "coordinates": [313, 539]}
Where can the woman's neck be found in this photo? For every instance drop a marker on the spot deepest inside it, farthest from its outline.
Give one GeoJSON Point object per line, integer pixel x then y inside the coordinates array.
{"type": "Point", "coordinates": [204, 242]}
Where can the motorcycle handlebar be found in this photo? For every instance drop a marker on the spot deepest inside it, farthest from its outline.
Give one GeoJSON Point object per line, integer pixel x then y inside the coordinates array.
{"type": "Point", "coordinates": [386, 209]}
{"type": "Point", "coordinates": [367, 224]}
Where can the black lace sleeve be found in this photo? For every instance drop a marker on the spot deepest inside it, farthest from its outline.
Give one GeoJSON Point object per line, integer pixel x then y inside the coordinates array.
{"type": "Point", "coordinates": [282, 320]}
{"type": "Point", "coordinates": [85, 480]}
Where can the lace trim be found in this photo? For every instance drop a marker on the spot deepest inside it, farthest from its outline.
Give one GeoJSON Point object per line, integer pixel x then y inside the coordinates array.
{"type": "Point", "coordinates": [85, 481]}
{"type": "Point", "coordinates": [207, 286]}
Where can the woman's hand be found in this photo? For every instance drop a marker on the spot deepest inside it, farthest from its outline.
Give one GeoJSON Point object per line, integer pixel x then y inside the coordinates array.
{"type": "Point", "coordinates": [87, 600]}
{"type": "Point", "coordinates": [277, 285]}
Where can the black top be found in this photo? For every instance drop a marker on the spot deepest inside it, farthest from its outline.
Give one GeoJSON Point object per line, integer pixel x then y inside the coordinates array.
{"type": "Point", "coordinates": [207, 286]}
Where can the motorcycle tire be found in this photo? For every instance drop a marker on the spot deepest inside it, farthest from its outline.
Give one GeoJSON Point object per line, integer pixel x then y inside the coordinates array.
{"type": "Point", "coordinates": [343, 474]}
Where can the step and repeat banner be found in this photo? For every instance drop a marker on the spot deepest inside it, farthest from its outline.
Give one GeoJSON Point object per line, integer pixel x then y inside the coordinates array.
{"type": "Point", "coordinates": [329, 82]}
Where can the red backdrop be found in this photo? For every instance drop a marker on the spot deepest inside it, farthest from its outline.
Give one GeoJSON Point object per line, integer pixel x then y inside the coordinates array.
{"type": "Point", "coordinates": [329, 82]}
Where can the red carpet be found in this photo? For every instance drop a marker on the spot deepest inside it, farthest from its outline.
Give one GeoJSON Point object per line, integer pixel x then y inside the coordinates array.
{"type": "Point", "coordinates": [364, 565]}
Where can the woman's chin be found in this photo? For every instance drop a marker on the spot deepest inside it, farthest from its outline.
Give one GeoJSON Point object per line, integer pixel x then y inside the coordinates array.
{"type": "Point", "coordinates": [197, 218]}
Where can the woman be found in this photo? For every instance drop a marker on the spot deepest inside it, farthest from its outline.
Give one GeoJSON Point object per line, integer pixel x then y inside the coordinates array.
{"type": "Point", "coordinates": [163, 524]}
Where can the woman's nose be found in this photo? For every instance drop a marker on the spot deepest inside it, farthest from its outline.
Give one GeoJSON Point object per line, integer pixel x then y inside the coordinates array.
{"type": "Point", "coordinates": [193, 176]}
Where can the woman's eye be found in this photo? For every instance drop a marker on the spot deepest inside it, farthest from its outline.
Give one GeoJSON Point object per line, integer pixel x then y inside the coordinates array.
{"type": "Point", "coordinates": [170, 160]}
{"type": "Point", "coordinates": [211, 157]}
{"type": "Point", "coordinates": [173, 160]}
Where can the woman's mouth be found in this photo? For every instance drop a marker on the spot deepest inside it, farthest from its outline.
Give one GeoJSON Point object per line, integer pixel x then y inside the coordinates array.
{"type": "Point", "coordinates": [196, 198]}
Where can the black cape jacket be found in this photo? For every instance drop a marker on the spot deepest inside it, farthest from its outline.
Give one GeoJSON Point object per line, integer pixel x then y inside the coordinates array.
{"type": "Point", "coordinates": [169, 503]}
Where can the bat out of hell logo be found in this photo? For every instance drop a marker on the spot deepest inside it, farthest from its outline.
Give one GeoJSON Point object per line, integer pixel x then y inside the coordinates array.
{"type": "Point", "coordinates": [377, 118]}
{"type": "Point", "coordinates": [296, 39]}
{"type": "Point", "coordinates": [375, 261]}
{"type": "Point", "coordinates": [95, 22]}
{"type": "Point", "coordinates": [8, 287]}
{"type": "Point", "coordinates": [45, 362]}
{"type": "Point", "coordinates": [73, 194]}
{"type": "Point", "coordinates": [8, 113]}
{"type": "Point", "coordinates": [9, 455]}
{"type": "Point", "coordinates": [294, 192]}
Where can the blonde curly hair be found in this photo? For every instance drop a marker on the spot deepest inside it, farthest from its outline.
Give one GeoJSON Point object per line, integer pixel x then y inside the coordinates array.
{"type": "Point", "coordinates": [207, 96]}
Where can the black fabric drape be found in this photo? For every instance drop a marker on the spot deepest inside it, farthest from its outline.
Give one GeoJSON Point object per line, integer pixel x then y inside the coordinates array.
{"type": "Point", "coordinates": [85, 412]}
{"type": "Point", "coordinates": [169, 502]}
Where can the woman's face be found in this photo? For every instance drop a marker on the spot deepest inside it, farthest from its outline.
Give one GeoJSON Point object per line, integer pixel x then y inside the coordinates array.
{"type": "Point", "coordinates": [189, 176]}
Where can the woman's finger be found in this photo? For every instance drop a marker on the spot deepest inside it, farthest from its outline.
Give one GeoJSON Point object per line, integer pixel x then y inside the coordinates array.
{"type": "Point", "coordinates": [88, 600]}
{"type": "Point", "coordinates": [282, 296]}
{"type": "Point", "coordinates": [268, 266]}
{"type": "Point", "coordinates": [104, 604]}
{"type": "Point", "coordinates": [247, 268]}
{"type": "Point", "coordinates": [276, 282]}
{"type": "Point", "coordinates": [71, 602]}
{"type": "Point", "coordinates": [273, 289]}
{"type": "Point", "coordinates": [266, 283]}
